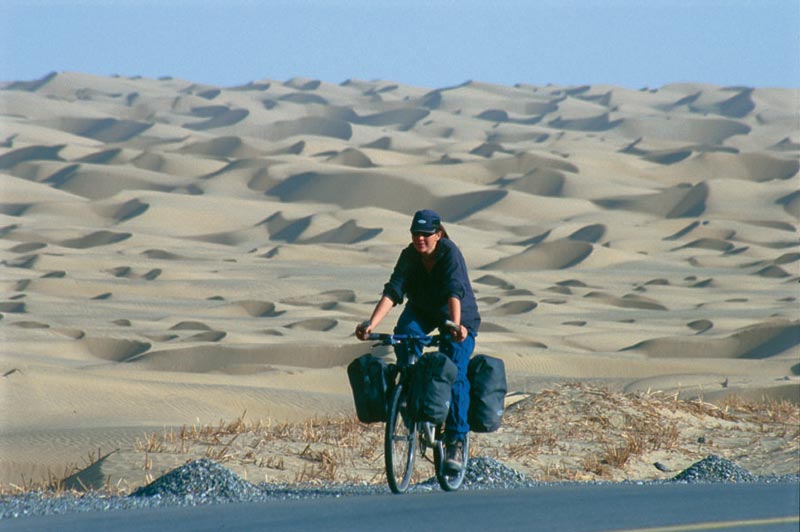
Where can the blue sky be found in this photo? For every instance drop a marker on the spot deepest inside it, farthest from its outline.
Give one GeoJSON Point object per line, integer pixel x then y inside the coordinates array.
{"type": "Point", "coordinates": [433, 44]}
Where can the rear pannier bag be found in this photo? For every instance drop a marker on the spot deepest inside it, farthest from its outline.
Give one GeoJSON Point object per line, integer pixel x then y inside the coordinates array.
{"type": "Point", "coordinates": [431, 382]}
{"type": "Point", "coordinates": [371, 380]}
{"type": "Point", "coordinates": [487, 393]}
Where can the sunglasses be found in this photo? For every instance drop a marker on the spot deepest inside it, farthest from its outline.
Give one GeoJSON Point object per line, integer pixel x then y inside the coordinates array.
{"type": "Point", "coordinates": [416, 234]}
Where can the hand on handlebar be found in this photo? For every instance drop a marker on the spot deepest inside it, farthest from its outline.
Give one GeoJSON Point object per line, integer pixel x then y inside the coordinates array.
{"type": "Point", "coordinates": [363, 330]}
{"type": "Point", "coordinates": [459, 332]}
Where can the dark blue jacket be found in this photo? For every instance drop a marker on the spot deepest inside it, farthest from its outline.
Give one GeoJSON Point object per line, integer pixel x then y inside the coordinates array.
{"type": "Point", "coordinates": [428, 293]}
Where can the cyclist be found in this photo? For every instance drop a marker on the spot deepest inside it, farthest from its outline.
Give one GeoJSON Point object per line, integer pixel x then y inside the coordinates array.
{"type": "Point", "coordinates": [432, 275]}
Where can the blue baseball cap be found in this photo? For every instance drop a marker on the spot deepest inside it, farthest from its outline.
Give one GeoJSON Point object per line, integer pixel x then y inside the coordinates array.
{"type": "Point", "coordinates": [426, 221]}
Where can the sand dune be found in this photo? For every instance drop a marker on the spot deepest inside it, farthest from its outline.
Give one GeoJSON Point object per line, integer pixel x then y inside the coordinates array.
{"type": "Point", "coordinates": [177, 252]}
{"type": "Point", "coordinates": [757, 341]}
{"type": "Point", "coordinates": [205, 358]}
{"type": "Point", "coordinates": [547, 256]}
{"type": "Point", "coordinates": [221, 147]}
{"type": "Point", "coordinates": [681, 201]}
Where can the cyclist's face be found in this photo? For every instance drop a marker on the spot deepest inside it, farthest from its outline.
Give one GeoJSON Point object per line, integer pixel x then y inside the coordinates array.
{"type": "Point", "coordinates": [425, 243]}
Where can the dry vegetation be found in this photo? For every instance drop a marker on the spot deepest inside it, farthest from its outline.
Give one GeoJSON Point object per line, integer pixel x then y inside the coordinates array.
{"type": "Point", "coordinates": [575, 432]}
{"type": "Point", "coordinates": [570, 432]}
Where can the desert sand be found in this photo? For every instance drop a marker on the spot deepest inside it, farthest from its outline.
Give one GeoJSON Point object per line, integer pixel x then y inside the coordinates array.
{"type": "Point", "coordinates": [178, 254]}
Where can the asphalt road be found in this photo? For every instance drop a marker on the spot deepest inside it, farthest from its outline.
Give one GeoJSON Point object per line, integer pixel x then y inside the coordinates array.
{"type": "Point", "coordinates": [573, 508]}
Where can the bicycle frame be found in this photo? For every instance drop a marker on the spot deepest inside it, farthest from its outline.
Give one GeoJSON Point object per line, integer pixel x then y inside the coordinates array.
{"type": "Point", "coordinates": [427, 435]}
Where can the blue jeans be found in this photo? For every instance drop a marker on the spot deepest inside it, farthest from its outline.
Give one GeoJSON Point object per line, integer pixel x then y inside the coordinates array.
{"type": "Point", "coordinates": [456, 426]}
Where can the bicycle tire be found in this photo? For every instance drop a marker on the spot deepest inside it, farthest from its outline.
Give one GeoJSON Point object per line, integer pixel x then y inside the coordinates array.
{"type": "Point", "coordinates": [447, 480]}
{"type": "Point", "coordinates": [400, 444]}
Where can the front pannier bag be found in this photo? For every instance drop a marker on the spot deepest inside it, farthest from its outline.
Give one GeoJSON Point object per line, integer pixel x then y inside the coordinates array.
{"type": "Point", "coordinates": [487, 393]}
{"type": "Point", "coordinates": [370, 378]}
{"type": "Point", "coordinates": [432, 381]}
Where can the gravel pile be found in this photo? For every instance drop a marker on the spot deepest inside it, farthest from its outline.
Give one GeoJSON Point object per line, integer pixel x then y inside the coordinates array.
{"type": "Point", "coordinates": [206, 482]}
{"type": "Point", "coordinates": [203, 479]}
{"type": "Point", "coordinates": [715, 469]}
{"type": "Point", "coordinates": [484, 472]}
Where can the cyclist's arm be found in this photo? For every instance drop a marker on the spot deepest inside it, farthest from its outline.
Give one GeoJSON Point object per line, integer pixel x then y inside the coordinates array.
{"type": "Point", "coordinates": [396, 287]}
{"type": "Point", "coordinates": [454, 307]}
{"type": "Point", "coordinates": [381, 310]}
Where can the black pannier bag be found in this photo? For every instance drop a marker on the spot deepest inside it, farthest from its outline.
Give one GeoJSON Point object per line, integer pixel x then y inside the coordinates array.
{"type": "Point", "coordinates": [371, 379]}
{"type": "Point", "coordinates": [431, 382]}
{"type": "Point", "coordinates": [487, 393]}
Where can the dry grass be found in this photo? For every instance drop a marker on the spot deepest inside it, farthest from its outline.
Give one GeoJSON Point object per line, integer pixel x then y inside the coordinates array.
{"type": "Point", "coordinates": [74, 479]}
{"type": "Point", "coordinates": [570, 432]}
{"type": "Point", "coordinates": [577, 432]}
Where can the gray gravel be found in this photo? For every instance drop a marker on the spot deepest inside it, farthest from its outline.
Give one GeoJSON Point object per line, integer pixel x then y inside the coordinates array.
{"type": "Point", "coordinates": [715, 469]}
{"type": "Point", "coordinates": [206, 482]}
{"type": "Point", "coordinates": [202, 478]}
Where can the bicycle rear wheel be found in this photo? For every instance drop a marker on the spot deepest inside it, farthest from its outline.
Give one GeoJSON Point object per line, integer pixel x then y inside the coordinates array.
{"type": "Point", "coordinates": [400, 443]}
{"type": "Point", "coordinates": [449, 480]}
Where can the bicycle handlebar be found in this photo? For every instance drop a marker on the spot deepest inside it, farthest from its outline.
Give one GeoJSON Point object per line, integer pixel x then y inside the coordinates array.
{"type": "Point", "coordinates": [393, 339]}
{"type": "Point", "coordinates": [424, 339]}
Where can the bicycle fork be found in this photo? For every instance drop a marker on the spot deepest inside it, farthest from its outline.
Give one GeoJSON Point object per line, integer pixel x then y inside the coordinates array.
{"type": "Point", "coordinates": [428, 433]}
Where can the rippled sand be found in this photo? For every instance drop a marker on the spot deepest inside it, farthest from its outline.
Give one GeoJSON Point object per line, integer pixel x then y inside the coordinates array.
{"type": "Point", "coordinates": [177, 253]}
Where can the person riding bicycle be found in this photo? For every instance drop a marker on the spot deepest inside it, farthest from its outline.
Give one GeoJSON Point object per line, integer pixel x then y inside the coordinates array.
{"type": "Point", "coordinates": [432, 275]}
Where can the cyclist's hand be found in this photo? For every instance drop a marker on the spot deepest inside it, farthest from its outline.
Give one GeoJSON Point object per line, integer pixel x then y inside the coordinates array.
{"type": "Point", "coordinates": [363, 329]}
{"type": "Point", "coordinates": [460, 334]}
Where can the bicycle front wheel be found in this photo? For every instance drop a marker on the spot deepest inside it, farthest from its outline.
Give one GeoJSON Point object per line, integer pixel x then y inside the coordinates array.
{"type": "Point", "coordinates": [400, 444]}
{"type": "Point", "coordinates": [450, 480]}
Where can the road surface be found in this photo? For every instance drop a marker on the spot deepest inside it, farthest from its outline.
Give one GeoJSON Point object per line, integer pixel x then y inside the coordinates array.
{"type": "Point", "coordinates": [574, 508]}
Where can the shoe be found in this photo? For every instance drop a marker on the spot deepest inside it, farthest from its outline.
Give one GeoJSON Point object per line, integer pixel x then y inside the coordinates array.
{"type": "Point", "coordinates": [454, 456]}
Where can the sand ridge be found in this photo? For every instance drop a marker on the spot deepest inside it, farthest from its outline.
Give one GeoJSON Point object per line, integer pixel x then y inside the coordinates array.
{"type": "Point", "coordinates": [176, 252]}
